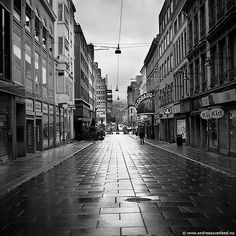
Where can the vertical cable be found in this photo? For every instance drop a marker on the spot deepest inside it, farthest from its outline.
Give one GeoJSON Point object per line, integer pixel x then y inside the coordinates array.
{"type": "Point", "coordinates": [121, 11]}
{"type": "Point", "coordinates": [118, 69]}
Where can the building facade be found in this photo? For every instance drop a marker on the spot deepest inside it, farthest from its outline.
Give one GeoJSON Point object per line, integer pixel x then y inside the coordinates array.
{"type": "Point", "coordinates": [212, 63]}
{"type": "Point", "coordinates": [152, 85]}
{"type": "Point", "coordinates": [27, 79]}
{"type": "Point", "coordinates": [84, 82]}
{"type": "Point", "coordinates": [101, 99]}
{"type": "Point", "coordinates": [109, 112]}
{"type": "Point", "coordinates": [64, 66]}
{"type": "Point", "coordinates": [132, 95]}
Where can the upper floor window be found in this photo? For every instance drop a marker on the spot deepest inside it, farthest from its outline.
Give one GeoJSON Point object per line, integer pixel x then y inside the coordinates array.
{"type": "Point", "coordinates": [17, 58]}
{"type": "Point", "coordinates": [60, 11]}
{"type": "Point", "coordinates": [175, 27]}
{"type": "Point", "coordinates": [5, 43]}
{"type": "Point", "coordinates": [28, 57]}
{"type": "Point", "coordinates": [66, 15]}
{"type": "Point", "coordinates": [28, 21]}
{"type": "Point", "coordinates": [17, 9]}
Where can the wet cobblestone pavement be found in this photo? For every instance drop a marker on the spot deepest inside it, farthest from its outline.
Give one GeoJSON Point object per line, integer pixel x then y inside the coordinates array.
{"type": "Point", "coordinates": [119, 187]}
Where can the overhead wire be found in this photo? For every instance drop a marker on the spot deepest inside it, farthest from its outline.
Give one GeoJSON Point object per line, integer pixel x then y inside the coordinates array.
{"type": "Point", "coordinates": [121, 13]}
{"type": "Point", "coordinates": [118, 58]}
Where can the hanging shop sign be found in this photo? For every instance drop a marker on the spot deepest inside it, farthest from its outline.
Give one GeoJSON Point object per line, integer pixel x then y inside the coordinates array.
{"type": "Point", "coordinates": [144, 103]}
{"type": "Point", "coordinates": [205, 115]}
{"type": "Point", "coordinates": [215, 113]}
{"type": "Point", "coordinates": [167, 110]}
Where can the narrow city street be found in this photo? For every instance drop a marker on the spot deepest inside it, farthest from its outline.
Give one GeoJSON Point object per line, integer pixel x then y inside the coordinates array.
{"type": "Point", "coordinates": [120, 187]}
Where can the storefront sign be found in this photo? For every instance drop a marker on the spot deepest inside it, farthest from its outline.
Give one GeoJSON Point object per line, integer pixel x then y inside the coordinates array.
{"type": "Point", "coordinates": [226, 96]}
{"type": "Point", "coordinates": [144, 103]}
{"type": "Point", "coordinates": [216, 113]}
{"type": "Point", "coordinates": [175, 109]}
{"type": "Point", "coordinates": [50, 109]}
{"type": "Point", "coordinates": [57, 111]}
{"type": "Point", "coordinates": [38, 106]}
{"type": "Point", "coordinates": [205, 115]}
{"type": "Point", "coordinates": [205, 101]}
{"type": "Point", "coordinates": [29, 106]}
{"type": "Point", "coordinates": [167, 110]}
{"type": "Point", "coordinates": [20, 100]}
{"type": "Point", "coordinates": [45, 108]}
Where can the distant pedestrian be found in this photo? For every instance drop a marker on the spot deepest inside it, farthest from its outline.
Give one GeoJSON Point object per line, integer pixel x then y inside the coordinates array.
{"type": "Point", "coordinates": [141, 136]}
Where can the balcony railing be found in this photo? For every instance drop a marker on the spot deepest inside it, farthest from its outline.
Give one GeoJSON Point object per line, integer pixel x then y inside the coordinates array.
{"type": "Point", "coordinates": [213, 81]}
{"type": "Point", "coordinates": [196, 38]}
{"type": "Point", "coordinates": [220, 13]}
{"type": "Point", "coordinates": [223, 78]}
{"type": "Point", "coordinates": [203, 31]}
{"type": "Point", "coordinates": [232, 74]}
{"type": "Point", "coordinates": [197, 88]}
{"type": "Point", "coordinates": [212, 21]}
{"type": "Point", "coordinates": [204, 85]}
{"type": "Point", "coordinates": [230, 5]}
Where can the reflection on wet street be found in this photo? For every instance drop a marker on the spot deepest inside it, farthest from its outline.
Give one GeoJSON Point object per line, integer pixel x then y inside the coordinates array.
{"type": "Point", "coordinates": [119, 187]}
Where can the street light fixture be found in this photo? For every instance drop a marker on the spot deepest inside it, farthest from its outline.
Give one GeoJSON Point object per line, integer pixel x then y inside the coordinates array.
{"type": "Point", "coordinates": [118, 51]}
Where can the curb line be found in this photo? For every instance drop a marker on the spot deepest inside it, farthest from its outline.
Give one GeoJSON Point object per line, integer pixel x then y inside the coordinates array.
{"type": "Point", "coordinates": [190, 159]}
{"type": "Point", "coordinates": [25, 178]}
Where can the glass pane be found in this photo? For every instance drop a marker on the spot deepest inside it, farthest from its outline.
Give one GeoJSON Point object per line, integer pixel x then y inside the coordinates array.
{"type": "Point", "coordinates": [17, 56]}
{"type": "Point", "coordinates": [213, 137]}
{"type": "Point", "coordinates": [233, 130]}
{"type": "Point", "coordinates": [28, 68]}
{"type": "Point", "coordinates": [223, 134]}
{"type": "Point", "coordinates": [44, 71]}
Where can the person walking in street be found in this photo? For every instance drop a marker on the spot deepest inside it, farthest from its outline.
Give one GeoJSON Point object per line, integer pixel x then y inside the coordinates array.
{"type": "Point", "coordinates": [141, 136]}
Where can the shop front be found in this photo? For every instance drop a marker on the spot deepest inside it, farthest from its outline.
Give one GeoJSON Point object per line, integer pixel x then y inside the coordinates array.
{"type": "Point", "coordinates": [38, 125]}
{"type": "Point", "coordinates": [4, 117]}
{"type": "Point", "coordinates": [51, 126]}
{"type": "Point", "coordinates": [215, 123]}
{"type": "Point", "coordinates": [45, 126]}
{"type": "Point", "coordinates": [29, 106]}
{"type": "Point", "coordinates": [144, 105]}
{"type": "Point", "coordinates": [57, 126]}
{"type": "Point", "coordinates": [167, 124]}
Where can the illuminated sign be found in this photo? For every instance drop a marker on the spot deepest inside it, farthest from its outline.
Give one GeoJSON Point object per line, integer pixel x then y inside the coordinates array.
{"type": "Point", "coordinates": [144, 103]}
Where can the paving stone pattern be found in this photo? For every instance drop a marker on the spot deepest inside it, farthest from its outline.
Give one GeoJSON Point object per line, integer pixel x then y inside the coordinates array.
{"type": "Point", "coordinates": [88, 193]}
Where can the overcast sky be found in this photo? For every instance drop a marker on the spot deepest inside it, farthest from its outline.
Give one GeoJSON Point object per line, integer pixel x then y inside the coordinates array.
{"type": "Point", "coordinates": [100, 20]}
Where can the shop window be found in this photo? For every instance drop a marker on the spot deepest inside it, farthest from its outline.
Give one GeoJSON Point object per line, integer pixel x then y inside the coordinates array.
{"type": "Point", "coordinates": [213, 136]}
{"type": "Point", "coordinates": [3, 135]}
{"type": "Point", "coordinates": [233, 130]}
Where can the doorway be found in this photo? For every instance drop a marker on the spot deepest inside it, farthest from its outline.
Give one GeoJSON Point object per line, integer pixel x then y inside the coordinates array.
{"type": "Point", "coordinates": [38, 134]}
{"type": "Point", "coordinates": [30, 135]}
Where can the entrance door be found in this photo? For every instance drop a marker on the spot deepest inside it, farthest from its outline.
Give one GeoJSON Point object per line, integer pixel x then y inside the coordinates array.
{"type": "Point", "coordinates": [233, 131]}
{"type": "Point", "coordinates": [38, 135]}
{"type": "Point", "coordinates": [30, 135]}
{"type": "Point", "coordinates": [213, 134]}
